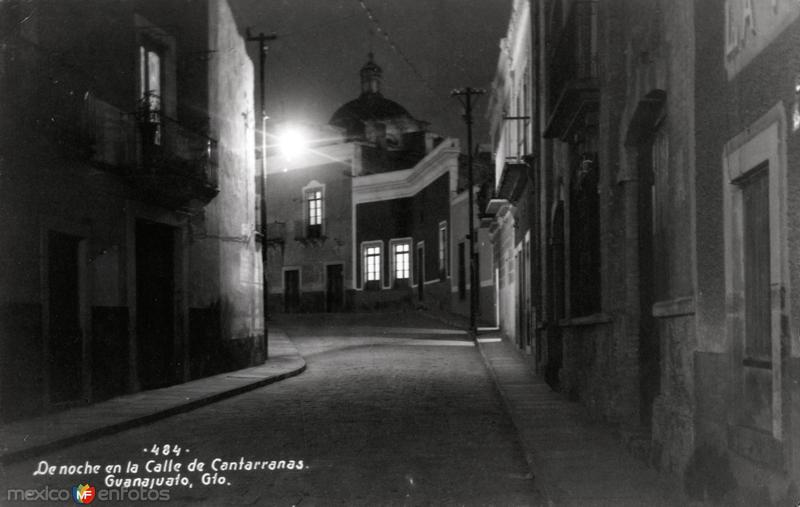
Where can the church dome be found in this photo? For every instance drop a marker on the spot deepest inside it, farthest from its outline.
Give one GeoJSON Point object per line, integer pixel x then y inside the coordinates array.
{"type": "Point", "coordinates": [370, 106]}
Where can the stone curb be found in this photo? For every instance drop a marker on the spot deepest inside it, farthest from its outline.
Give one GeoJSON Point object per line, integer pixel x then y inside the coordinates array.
{"type": "Point", "coordinates": [533, 466]}
{"type": "Point", "coordinates": [444, 319]}
{"type": "Point", "coordinates": [94, 433]}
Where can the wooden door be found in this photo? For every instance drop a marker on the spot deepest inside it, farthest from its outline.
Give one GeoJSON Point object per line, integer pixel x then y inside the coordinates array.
{"type": "Point", "coordinates": [334, 293]}
{"type": "Point", "coordinates": [291, 290]}
{"type": "Point", "coordinates": [65, 337]}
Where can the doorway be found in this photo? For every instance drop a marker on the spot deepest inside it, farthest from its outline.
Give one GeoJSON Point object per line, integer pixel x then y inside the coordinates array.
{"type": "Point", "coordinates": [557, 308]}
{"type": "Point", "coordinates": [155, 303]}
{"type": "Point", "coordinates": [65, 336]}
{"type": "Point", "coordinates": [650, 158]}
{"type": "Point", "coordinates": [420, 264]}
{"type": "Point", "coordinates": [462, 273]}
{"type": "Point", "coordinates": [334, 293]}
{"type": "Point", "coordinates": [522, 300]}
{"type": "Point", "coordinates": [291, 291]}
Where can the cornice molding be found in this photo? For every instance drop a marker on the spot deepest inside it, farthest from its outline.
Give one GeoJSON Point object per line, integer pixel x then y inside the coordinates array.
{"type": "Point", "coordinates": [408, 182]}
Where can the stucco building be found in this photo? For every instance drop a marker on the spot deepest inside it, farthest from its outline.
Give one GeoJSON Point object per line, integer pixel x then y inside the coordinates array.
{"type": "Point", "coordinates": [662, 228]}
{"type": "Point", "coordinates": [510, 211]}
{"type": "Point", "coordinates": [127, 204]}
{"type": "Point", "coordinates": [746, 351]}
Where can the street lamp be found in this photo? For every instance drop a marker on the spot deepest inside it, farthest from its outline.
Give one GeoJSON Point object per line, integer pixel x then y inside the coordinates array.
{"type": "Point", "coordinates": [292, 142]}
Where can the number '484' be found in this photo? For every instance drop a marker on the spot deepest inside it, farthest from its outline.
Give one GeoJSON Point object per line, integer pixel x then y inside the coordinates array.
{"type": "Point", "coordinates": [166, 450]}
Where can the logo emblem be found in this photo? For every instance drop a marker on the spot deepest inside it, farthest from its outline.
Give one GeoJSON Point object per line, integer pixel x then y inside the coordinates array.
{"type": "Point", "coordinates": [83, 493]}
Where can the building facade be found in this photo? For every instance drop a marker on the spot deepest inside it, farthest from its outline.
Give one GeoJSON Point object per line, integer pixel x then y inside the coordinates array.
{"type": "Point", "coordinates": [461, 286]}
{"type": "Point", "coordinates": [510, 210]}
{"type": "Point", "coordinates": [747, 149]}
{"type": "Point", "coordinates": [661, 227]}
{"type": "Point", "coordinates": [129, 259]}
{"type": "Point", "coordinates": [371, 215]}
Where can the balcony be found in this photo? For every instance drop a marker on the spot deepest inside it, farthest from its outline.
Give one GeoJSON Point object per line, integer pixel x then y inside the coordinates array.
{"type": "Point", "coordinates": [165, 162]}
{"type": "Point", "coordinates": [309, 234]}
{"type": "Point", "coordinates": [574, 91]}
{"type": "Point", "coordinates": [177, 165]}
{"type": "Point", "coordinates": [52, 111]}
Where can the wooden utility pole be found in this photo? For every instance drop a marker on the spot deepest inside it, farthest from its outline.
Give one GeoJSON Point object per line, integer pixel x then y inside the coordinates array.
{"type": "Point", "coordinates": [465, 96]}
{"type": "Point", "coordinates": [262, 54]}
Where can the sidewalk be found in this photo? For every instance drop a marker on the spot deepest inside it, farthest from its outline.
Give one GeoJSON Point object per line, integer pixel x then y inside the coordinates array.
{"type": "Point", "coordinates": [574, 460]}
{"type": "Point", "coordinates": [31, 437]}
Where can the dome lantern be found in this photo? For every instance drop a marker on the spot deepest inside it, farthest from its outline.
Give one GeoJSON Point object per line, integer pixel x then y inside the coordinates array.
{"type": "Point", "coordinates": [371, 75]}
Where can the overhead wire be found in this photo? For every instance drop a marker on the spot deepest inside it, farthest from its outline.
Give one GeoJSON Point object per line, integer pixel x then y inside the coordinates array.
{"type": "Point", "coordinates": [390, 42]}
{"type": "Point", "coordinates": [315, 27]}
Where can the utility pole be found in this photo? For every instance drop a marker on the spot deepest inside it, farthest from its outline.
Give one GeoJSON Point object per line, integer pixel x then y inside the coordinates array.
{"type": "Point", "coordinates": [262, 55]}
{"type": "Point", "coordinates": [465, 96]}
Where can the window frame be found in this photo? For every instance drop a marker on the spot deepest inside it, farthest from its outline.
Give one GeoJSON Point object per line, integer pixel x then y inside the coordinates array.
{"type": "Point", "coordinates": [444, 249]}
{"type": "Point", "coordinates": [152, 104]}
{"type": "Point", "coordinates": [393, 244]}
{"type": "Point", "coordinates": [763, 143]}
{"type": "Point", "coordinates": [315, 230]}
{"type": "Point", "coordinates": [366, 283]}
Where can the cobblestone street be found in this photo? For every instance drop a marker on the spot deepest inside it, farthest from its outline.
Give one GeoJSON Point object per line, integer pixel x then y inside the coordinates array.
{"type": "Point", "coordinates": [391, 410]}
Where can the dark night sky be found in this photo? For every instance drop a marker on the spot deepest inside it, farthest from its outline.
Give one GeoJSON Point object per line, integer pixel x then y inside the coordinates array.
{"type": "Point", "coordinates": [312, 68]}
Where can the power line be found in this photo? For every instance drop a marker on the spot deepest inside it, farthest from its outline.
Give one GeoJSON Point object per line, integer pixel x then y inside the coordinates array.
{"type": "Point", "coordinates": [316, 26]}
{"type": "Point", "coordinates": [379, 29]}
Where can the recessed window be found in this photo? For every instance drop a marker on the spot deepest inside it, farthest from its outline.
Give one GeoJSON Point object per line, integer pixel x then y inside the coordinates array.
{"type": "Point", "coordinates": [372, 263]}
{"type": "Point", "coordinates": [402, 261]}
{"type": "Point", "coordinates": [314, 207]}
{"type": "Point", "coordinates": [150, 84]}
{"type": "Point", "coordinates": [313, 200]}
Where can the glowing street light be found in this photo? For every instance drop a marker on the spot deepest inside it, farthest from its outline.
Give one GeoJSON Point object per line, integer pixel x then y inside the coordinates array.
{"type": "Point", "coordinates": [292, 142]}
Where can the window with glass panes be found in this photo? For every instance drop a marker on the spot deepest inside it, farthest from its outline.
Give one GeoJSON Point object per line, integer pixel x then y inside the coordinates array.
{"type": "Point", "coordinates": [314, 203]}
{"type": "Point", "coordinates": [314, 213]}
{"type": "Point", "coordinates": [372, 263]}
{"type": "Point", "coordinates": [150, 86]}
{"type": "Point", "coordinates": [402, 261]}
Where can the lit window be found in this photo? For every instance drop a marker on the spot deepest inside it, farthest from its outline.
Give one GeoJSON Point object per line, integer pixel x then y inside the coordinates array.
{"type": "Point", "coordinates": [402, 261]}
{"type": "Point", "coordinates": [313, 200]}
{"type": "Point", "coordinates": [150, 86]}
{"type": "Point", "coordinates": [372, 263]}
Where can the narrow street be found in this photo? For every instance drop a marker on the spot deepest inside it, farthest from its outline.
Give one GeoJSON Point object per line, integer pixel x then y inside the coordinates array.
{"type": "Point", "coordinates": [392, 410]}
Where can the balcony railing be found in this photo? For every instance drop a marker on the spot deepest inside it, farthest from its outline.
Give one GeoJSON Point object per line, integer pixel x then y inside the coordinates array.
{"type": "Point", "coordinates": [307, 233]}
{"type": "Point", "coordinates": [165, 161]}
{"type": "Point", "coordinates": [169, 147]}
